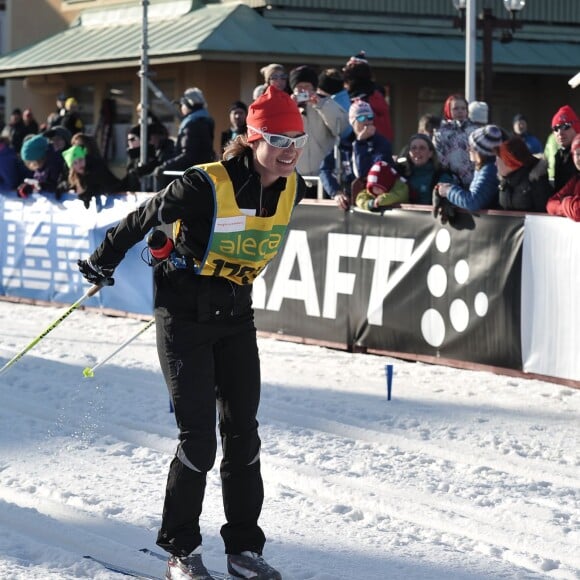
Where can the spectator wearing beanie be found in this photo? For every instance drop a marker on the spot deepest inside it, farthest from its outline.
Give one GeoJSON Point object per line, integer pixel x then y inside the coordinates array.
{"type": "Point", "coordinates": [565, 126]}
{"type": "Point", "coordinates": [85, 179]}
{"type": "Point", "coordinates": [324, 120]}
{"type": "Point", "coordinates": [360, 84]}
{"type": "Point", "coordinates": [238, 112]}
{"type": "Point", "coordinates": [478, 113]}
{"type": "Point", "coordinates": [566, 201]}
{"type": "Point", "coordinates": [368, 145]}
{"type": "Point", "coordinates": [524, 184]}
{"type": "Point", "coordinates": [483, 192]}
{"type": "Point", "coordinates": [232, 216]}
{"type": "Point", "coordinates": [358, 151]}
{"type": "Point", "coordinates": [520, 127]}
{"type": "Point", "coordinates": [384, 188]}
{"type": "Point", "coordinates": [44, 162]}
{"type": "Point", "coordinates": [59, 137]}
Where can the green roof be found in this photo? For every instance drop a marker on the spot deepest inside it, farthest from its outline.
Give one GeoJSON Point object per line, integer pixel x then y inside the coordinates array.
{"type": "Point", "coordinates": [104, 39]}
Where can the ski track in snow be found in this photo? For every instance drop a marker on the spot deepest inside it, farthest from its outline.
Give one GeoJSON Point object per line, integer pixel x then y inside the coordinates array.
{"type": "Point", "coordinates": [463, 475]}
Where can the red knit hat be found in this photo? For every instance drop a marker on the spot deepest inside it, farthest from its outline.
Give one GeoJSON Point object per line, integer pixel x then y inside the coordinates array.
{"type": "Point", "coordinates": [381, 178]}
{"type": "Point", "coordinates": [566, 114]}
{"type": "Point", "coordinates": [273, 112]}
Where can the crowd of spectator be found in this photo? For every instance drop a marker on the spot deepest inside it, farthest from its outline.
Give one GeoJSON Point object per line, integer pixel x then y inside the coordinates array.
{"type": "Point", "coordinates": [457, 159]}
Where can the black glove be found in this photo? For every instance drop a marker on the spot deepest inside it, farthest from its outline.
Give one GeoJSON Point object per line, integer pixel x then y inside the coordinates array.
{"type": "Point", "coordinates": [447, 211]}
{"type": "Point", "coordinates": [437, 199]}
{"type": "Point", "coordinates": [95, 274]}
{"type": "Point", "coordinates": [24, 190]}
{"type": "Point", "coordinates": [85, 198]}
{"type": "Point", "coordinates": [443, 208]}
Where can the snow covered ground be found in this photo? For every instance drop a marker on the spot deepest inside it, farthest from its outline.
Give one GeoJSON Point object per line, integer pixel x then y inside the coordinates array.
{"type": "Point", "coordinates": [463, 475]}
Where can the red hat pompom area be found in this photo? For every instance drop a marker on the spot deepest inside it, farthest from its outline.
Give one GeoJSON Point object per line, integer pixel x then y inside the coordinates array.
{"type": "Point", "coordinates": [566, 114]}
{"type": "Point", "coordinates": [273, 112]}
{"type": "Point", "coordinates": [381, 178]}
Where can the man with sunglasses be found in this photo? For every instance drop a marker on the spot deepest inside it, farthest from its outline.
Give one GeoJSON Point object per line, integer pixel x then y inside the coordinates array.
{"type": "Point", "coordinates": [228, 221]}
{"type": "Point", "coordinates": [565, 125]}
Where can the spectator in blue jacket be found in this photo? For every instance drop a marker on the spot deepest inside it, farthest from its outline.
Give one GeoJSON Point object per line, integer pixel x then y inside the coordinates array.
{"type": "Point", "coordinates": [358, 152]}
{"type": "Point", "coordinates": [483, 193]}
{"type": "Point", "coordinates": [520, 126]}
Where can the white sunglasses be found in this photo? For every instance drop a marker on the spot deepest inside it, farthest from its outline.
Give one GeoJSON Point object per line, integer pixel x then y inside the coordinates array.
{"type": "Point", "coordinates": [281, 141]}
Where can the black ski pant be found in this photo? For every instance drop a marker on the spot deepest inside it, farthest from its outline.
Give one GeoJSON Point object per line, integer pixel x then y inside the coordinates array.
{"type": "Point", "coordinates": [210, 357]}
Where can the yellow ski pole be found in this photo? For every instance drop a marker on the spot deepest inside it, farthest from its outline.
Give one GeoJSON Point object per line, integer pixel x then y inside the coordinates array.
{"type": "Point", "coordinates": [90, 292]}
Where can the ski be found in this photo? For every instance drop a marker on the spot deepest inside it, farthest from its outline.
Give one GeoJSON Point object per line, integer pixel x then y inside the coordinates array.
{"type": "Point", "coordinates": [122, 570]}
{"type": "Point", "coordinates": [216, 575]}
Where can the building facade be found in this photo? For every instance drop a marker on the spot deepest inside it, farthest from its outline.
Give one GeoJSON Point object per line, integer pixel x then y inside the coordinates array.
{"type": "Point", "coordinates": [92, 49]}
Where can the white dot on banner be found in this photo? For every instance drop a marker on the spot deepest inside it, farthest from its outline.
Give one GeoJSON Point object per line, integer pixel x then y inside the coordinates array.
{"type": "Point", "coordinates": [433, 327]}
{"type": "Point", "coordinates": [481, 304]}
{"type": "Point", "coordinates": [462, 272]}
{"type": "Point", "coordinates": [459, 315]}
{"type": "Point", "coordinates": [437, 280]}
{"type": "Point", "coordinates": [443, 241]}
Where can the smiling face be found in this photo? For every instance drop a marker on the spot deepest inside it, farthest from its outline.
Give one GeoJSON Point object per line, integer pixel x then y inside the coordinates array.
{"type": "Point", "coordinates": [419, 152]}
{"type": "Point", "coordinates": [272, 162]}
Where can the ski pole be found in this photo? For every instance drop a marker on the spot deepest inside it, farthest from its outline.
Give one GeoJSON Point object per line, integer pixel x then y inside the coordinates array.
{"type": "Point", "coordinates": [90, 292]}
{"type": "Point", "coordinates": [90, 372]}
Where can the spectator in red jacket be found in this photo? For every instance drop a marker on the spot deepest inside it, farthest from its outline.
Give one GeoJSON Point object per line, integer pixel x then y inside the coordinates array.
{"type": "Point", "coordinates": [566, 202]}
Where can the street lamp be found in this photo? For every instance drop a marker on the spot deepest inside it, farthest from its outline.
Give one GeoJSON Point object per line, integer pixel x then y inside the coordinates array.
{"type": "Point", "coordinates": [487, 22]}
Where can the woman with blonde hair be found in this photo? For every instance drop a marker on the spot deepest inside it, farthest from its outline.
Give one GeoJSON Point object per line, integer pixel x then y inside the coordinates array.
{"type": "Point", "coordinates": [88, 176]}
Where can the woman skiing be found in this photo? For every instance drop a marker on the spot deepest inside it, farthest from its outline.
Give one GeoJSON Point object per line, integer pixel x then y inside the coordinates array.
{"type": "Point", "coordinates": [229, 220]}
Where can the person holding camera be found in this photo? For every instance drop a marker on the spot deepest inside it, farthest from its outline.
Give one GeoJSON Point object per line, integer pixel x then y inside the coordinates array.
{"type": "Point", "coordinates": [324, 121]}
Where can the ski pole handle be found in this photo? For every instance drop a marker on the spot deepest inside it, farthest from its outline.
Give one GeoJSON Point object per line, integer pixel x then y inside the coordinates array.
{"type": "Point", "coordinates": [88, 294]}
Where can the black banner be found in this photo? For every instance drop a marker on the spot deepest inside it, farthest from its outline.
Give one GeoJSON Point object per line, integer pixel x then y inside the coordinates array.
{"type": "Point", "coordinates": [399, 282]}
